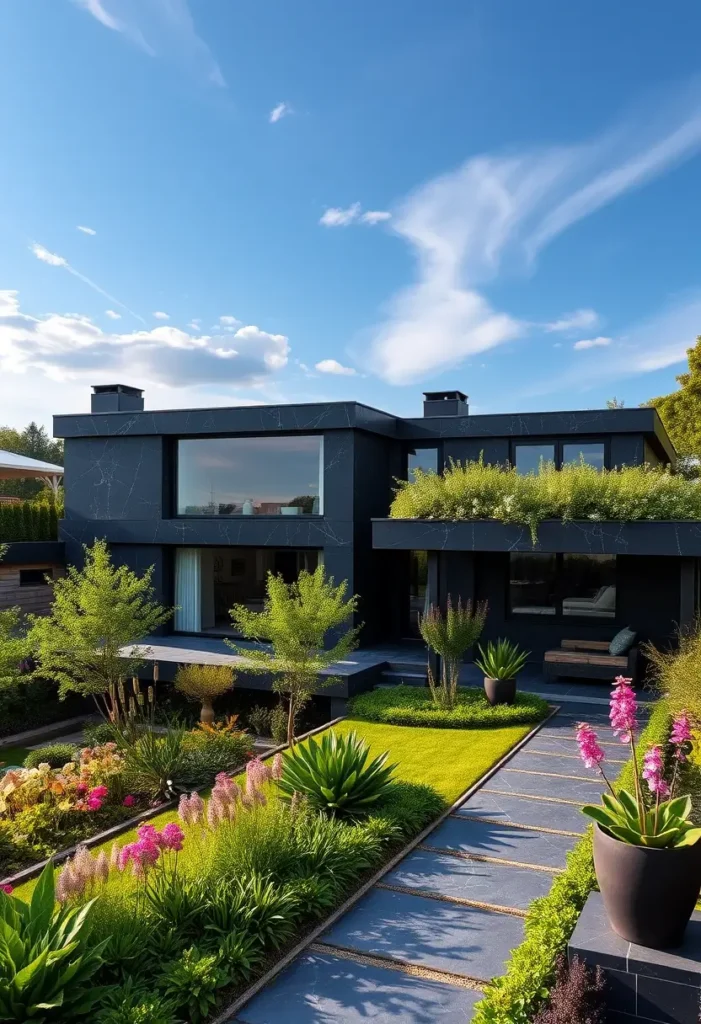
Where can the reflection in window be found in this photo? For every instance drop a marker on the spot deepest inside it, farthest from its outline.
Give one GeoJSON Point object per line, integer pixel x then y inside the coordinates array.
{"type": "Point", "coordinates": [528, 458]}
{"type": "Point", "coordinates": [419, 598]}
{"type": "Point", "coordinates": [589, 586]}
{"type": "Point", "coordinates": [533, 584]}
{"type": "Point", "coordinates": [425, 459]}
{"type": "Point", "coordinates": [208, 581]}
{"type": "Point", "coordinates": [250, 476]}
{"type": "Point", "coordinates": [592, 453]}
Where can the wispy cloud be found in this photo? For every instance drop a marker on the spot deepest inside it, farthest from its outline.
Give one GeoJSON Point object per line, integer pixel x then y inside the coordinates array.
{"type": "Point", "coordinates": [54, 260]}
{"type": "Point", "coordinates": [280, 111]}
{"type": "Point", "coordinates": [465, 226]}
{"type": "Point", "coordinates": [161, 28]}
{"type": "Point", "coordinates": [585, 343]}
{"type": "Point", "coordinates": [577, 321]}
{"type": "Point", "coordinates": [85, 230]}
{"type": "Point", "coordinates": [337, 217]}
{"type": "Point", "coordinates": [160, 315]}
{"type": "Point", "coordinates": [228, 321]}
{"type": "Point", "coordinates": [334, 367]}
{"type": "Point", "coordinates": [112, 315]}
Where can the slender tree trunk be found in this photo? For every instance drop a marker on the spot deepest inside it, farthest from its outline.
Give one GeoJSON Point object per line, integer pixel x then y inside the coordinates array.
{"type": "Point", "coordinates": [291, 722]}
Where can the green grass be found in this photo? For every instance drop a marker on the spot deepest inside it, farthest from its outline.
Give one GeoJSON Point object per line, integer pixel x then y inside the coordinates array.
{"type": "Point", "coordinates": [412, 706]}
{"type": "Point", "coordinates": [13, 755]}
{"type": "Point", "coordinates": [447, 761]}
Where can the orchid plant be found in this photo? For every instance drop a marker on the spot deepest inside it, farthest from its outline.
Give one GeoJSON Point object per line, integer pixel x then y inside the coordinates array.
{"type": "Point", "coordinates": [657, 818]}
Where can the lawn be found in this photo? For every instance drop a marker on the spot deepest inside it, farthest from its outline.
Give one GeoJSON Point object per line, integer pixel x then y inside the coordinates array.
{"type": "Point", "coordinates": [447, 760]}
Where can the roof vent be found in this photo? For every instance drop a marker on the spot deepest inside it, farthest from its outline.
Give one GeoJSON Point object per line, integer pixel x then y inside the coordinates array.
{"type": "Point", "coordinates": [445, 403]}
{"type": "Point", "coordinates": [116, 398]}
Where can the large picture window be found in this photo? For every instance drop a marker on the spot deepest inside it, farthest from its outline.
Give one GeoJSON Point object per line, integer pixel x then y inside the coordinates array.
{"type": "Point", "coordinates": [230, 476]}
{"type": "Point", "coordinates": [425, 459]}
{"type": "Point", "coordinates": [571, 586]}
{"type": "Point", "coordinates": [528, 457]}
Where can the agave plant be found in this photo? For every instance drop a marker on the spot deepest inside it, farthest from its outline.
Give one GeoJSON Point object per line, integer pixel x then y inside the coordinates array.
{"type": "Point", "coordinates": [335, 776]}
{"type": "Point", "coordinates": [46, 960]}
{"type": "Point", "coordinates": [502, 660]}
{"type": "Point", "coordinates": [668, 824]}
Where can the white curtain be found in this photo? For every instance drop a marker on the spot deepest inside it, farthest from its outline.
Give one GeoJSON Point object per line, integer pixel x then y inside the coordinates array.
{"type": "Point", "coordinates": [188, 590]}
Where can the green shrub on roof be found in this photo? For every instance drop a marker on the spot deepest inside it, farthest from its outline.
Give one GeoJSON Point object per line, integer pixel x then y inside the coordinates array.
{"type": "Point", "coordinates": [475, 490]}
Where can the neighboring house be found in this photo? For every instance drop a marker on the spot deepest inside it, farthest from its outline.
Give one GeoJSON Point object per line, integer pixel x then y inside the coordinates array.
{"type": "Point", "coordinates": [216, 498]}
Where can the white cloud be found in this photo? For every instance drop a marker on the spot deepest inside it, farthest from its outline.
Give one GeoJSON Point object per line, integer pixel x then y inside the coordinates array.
{"type": "Point", "coordinates": [85, 230]}
{"type": "Point", "coordinates": [229, 321]}
{"type": "Point", "coordinates": [374, 216]}
{"type": "Point", "coordinates": [43, 254]}
{"type": "Point", "coordinates": [162, 28]}
{"type": "Point", "coordinates": [592, 343]}
{"type": "Point", "coordinates": [577, 321]}
{"type": "Point", "coordinates": [112, 315]}
{"type": "Point", "coordinates": [333, 366]}
{"type": "Point", "coordinates": [495, 213]}
{"type": "Point", "coordinates": [195, 324]}
{"type": "Point", "coordinates": [160, 315]}
{"type": "Point", "coordinates": [335, 217]}
{"type": "Point", "coordinates": [68, 347]}
{"type": "Point", "coordinates": [280, 111]}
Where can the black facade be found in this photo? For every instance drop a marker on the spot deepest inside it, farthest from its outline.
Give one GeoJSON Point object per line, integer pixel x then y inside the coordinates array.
{"type": "Point", "coordinates": [122, 483]}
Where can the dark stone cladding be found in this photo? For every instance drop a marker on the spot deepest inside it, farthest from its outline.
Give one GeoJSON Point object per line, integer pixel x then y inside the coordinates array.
{"type": "Point", "coordinates": [35, 552]}
{"type": "Point", "coordinates": [221, 531]}
{"type": "Point", "coordinates": [678, 538]}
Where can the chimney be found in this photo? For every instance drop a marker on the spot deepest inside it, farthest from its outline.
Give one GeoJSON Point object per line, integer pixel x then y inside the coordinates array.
{"type": "Point", "coordinates": [445, 403]}
{"type": "Point", "coordinates": [116, 398]}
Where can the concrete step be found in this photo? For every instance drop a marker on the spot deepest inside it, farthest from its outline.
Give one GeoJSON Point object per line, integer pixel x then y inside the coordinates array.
{"type": "Point", "coordinates": [392, 677]}
{"type": "Point", "coordinates": [416, 665]}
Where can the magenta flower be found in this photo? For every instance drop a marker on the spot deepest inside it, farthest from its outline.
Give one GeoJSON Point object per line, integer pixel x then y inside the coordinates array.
{"type": "Point", "coordinates": [99, 791]}
{"type": "Point", "coordinates": [589, 748]}
{"type": "Point", "coordinates": [150, 834]}
{"type": "Point", "coordinates": [93, 803]}
{"type": "Point", "coordinates": [623, 709]}
{"type": "Point", "coordinates": [173, 837]}
{"type": "Point", "coordinates": [680, 735]}
{"type": "Point", "coordinates": [81, 789]}
{"type": "Point", "coordinates": [7, 889]}
{"type": "Point", "coordinates": [129, 800]}
{"type": "Point", "coordinates": [653, 771]}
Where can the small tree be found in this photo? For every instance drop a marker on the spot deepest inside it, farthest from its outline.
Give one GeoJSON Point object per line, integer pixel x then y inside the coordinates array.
{"type": "Point", "coordinates": [450, 635]}
{"type": "Point", "coordinates": [204, 683]}
{"type": "Point", "coordinates": [14, 646]}
{"type": "Point", "coordinates": [99, 614]}
{"type": "Point", "coordinates": [296, 621]}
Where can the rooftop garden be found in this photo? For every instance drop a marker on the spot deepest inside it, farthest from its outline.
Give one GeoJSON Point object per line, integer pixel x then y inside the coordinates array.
{"type": "Point", "coordinates": [475, 490]}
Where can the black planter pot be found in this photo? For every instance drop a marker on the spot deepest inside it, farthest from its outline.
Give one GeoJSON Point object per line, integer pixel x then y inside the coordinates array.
{"type": "Point", "coordinates": [649, 894]}
{"type": "Point", "coordinates": [500, 691]}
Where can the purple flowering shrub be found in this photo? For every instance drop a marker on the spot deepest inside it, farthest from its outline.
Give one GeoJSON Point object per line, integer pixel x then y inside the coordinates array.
{"type": "Point", "coordinates": [577, 996]}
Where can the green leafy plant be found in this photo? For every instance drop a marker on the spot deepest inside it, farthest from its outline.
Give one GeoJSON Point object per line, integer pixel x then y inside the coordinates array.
{"type": "Point", "coordinates": [153, 762]}
{"type": "Point", "coordinates": [96, 734]}
{"type": "Point", "coordinates": [502, 660]}
{"type": "Point", "coordinates": [258, 719]}
{"type": "Point", "coordinates": [98, 613]}
{"type": "Point", "coordinates": [56, 755]}
{"type": "Point", "coordinates": [335, 776]}
{"type": "Point", "coordinates": [279, 724]}
{"type": "Point", "coordinates": [450, 634]}
{"type": "Point", "coordinates": [668, 824]}
{"type": "Point", "coordinates": [204, 683]}
{"type": "Point", "coordinates": [296, 621]}
{"type": "Point", "coordinates": [205, 754]}
{"type": "Point", "coordinates": [134, 1003]}
{"type": "Point", "coordinates": [47, 963]}
{"type": "Point", "coordinates": [192, 982]}
{"type": "Point", "coordinates": [412, 705]}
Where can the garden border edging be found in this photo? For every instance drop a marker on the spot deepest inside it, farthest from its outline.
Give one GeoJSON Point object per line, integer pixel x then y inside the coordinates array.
{"type": "Point", "coordinates": [227, 1015]}
{"type": "Point", "coordinates": [27, 874]}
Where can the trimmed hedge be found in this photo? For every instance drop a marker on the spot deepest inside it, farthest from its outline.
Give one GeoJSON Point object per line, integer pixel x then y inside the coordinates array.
{"type": "Point", "coordinates": [28, 521]}
{"type": "Point", "coordinates": [412, 705]}
{"type": "Point", "coordinates": [516, 996]}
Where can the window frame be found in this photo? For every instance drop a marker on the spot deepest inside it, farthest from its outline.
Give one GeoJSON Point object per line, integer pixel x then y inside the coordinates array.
{"type": "Point", "coordinates": [175, 482]}
{"type": "Point", "coordinates": [416, 446]}
{"type": "Point", "coordinates": [43, 571]}
{"type": "Point", "coordinates": [558, 616]}
{"type": "Point", "coordinates": [558, 444]}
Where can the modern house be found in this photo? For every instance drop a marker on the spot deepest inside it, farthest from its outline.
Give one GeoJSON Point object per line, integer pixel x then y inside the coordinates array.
{"type": "Point", "coordinates": [215, 498]}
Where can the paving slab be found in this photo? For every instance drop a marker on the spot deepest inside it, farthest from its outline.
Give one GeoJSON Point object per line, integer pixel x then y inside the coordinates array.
{"type": "Point", "coordinates": [551, 764]}
{"type": "Point", "coordinates": [503, 841]}
{"type": "Point", "coordinates": [582, 791]}
{"type": "Point", "coordinates": [443, 937]}
{"type": "Point", "coordinates": [443, 875]}
{"type": "Point", "coordinates": [321, 989]}
{"type": "Point", "coordinates": [522, 811]}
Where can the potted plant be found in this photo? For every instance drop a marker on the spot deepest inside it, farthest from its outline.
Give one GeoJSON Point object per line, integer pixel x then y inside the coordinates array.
{"type": "Point", "coordinates": [647, 854]}
{"type": "Point", "coordinates": [204, 683]}
{"type": "Point", "coordinates": [501, 663]}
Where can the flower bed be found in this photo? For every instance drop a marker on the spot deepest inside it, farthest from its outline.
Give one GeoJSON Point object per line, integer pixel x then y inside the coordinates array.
{"type": "Point", "coordinates": [199, 901]}
{"type": "Point", "coordinates": [412, 705]}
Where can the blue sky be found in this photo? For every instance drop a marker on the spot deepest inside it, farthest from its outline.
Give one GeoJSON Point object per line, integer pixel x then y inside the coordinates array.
{"type": "Point", "coordinates": [328, 201]}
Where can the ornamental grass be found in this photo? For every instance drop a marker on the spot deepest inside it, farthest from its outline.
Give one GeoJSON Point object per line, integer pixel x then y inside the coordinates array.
{"type": "Point", "coordinates": [475, 490]}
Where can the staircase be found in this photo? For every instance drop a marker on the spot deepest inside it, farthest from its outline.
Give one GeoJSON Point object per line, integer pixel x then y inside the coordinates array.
{"type": "Point", "coordinates": [404, 673]}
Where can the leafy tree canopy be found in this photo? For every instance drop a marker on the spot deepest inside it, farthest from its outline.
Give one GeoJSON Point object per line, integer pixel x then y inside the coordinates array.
{"type": "Point", "coordinates": [681, 410]}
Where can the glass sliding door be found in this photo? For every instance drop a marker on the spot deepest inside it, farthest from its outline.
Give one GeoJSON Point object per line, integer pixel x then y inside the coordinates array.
{"type": "Point", "coordinates": [419, 597]}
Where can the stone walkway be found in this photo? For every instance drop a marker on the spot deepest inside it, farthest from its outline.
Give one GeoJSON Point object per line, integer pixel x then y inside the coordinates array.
{"type": "Point", "coordinates": [421, 945]}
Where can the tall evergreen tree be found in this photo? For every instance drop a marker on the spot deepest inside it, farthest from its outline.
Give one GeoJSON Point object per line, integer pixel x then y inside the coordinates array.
{"type": "Point", "coordinates": [680, 411]}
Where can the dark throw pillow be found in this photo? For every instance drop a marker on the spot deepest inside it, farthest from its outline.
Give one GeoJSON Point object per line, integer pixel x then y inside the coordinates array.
{"type": "Point", "coordinates": [622, 642]}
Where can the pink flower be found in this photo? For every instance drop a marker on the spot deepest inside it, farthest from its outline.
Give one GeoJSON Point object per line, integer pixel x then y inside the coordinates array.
{"type": "Point", "coordinates": [589, 748]}
{"type": "Point", "coordinates": [623, 709]}
{"type": "Point", "coordinates": [257, 772]}
{"type": "Point", "coordinates": [681, 734]}
{"type": "Point", "coordinates": [278, 767]}
{"type": "Point", "coordinates": [81, 789]}
{"type": "Point", "coordinates": [653, 771]}
{"type": "Point", "coordinates": [184, 812]}
{"type": "Point", "coordinates": [129, 800]}
{"type": "Point", "coordinates": [7, 889]}
{"type": "Point", "coordinates": [173, 837]}
{"type": "Point", "coordinates": [99, 791]}
{"type": "Point", "coordinates": [93, 803]}
{"type": "Point", "coordinates": [150, 834]}
{"type": "Point", "coordinates": [102, 866]}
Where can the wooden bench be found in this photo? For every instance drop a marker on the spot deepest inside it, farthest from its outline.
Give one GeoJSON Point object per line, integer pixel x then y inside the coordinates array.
{"type": "Point", "coordinates": [589, 659]}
